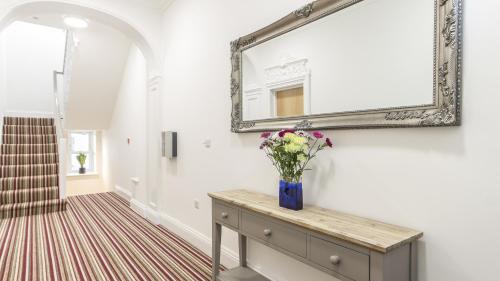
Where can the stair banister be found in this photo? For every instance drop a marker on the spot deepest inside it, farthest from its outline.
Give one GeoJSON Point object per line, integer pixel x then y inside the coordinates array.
{"type": "Point", "coordinates": [62, 143]}
{"type": "Point", "coordinates": [60, 99]}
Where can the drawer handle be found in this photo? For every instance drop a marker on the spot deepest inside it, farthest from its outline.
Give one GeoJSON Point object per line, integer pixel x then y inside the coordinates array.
{"type": "Point", "coordinates": [335, 260]}
{"type": "Point", "coordinates": [267, 232]}
{"type": "Point", "coordinates": [224, 215]}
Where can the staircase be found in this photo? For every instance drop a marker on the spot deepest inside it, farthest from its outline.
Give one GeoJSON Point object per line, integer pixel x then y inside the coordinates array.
{"type": "Point", "coordinates": [29, 172]}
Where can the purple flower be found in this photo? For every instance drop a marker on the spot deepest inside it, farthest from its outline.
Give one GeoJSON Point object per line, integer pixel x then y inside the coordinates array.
{"type": "Point", "coordinates": [329, 142]}
{"type": "Point", "coordinates": [265, 135]}
{"type": "Point", "coordinates": [264, 144]}
{"type": "Point", "coordinates": [318, 134]}
{"type": "Point", "coordinates": [284, 132]}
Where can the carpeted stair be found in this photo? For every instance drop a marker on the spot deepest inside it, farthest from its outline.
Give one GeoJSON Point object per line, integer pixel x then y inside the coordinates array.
{"type": "Point", "coordinates": [29, 180]}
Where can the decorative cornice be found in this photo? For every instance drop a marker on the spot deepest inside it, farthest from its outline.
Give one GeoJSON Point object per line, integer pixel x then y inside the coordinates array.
{"type": "Point", "coordinates": [449, 30]}
{"type": "Point", "coordinates": [304, 124]}
{"type": "Point", "coordinates": [305, 11]}
{"type": "Point", "coordinates": [240, 43]}
{"type": "Point", "coordinates": [236, 123]}
{"type": "Point", "coordinates": [292, 69]}
{"type": "Point", "coordinates": [235, 87]}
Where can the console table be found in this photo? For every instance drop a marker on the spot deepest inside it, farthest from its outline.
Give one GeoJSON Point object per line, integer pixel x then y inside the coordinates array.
{"type": "Point", "coordinates": [348, 247]}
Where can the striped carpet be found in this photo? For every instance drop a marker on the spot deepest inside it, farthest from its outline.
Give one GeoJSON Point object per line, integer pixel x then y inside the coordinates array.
{"type": "Point", "coordinates": [98, 238]}
{"type": "Point", "coordinates": [29, 169]}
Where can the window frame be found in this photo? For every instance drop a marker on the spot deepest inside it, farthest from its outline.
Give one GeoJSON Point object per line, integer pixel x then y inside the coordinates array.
{"type": "Point", "coordinates": [91, 154]}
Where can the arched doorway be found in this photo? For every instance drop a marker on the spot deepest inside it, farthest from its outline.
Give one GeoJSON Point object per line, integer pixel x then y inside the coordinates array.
{"type": "Point", "coordinates": [153, 78]}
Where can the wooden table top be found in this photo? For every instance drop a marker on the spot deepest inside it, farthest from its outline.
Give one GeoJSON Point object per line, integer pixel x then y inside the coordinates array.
{"type": "Point", "coordinates": [372, 234]}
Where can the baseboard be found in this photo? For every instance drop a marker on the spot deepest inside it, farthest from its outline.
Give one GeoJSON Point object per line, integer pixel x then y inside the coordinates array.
{"type": "Point", "coordinates": [124, 193]}
{"type": "Point", "coordinates": [145, 211]}
{"type": "Point", "coordinates": [228, 257]}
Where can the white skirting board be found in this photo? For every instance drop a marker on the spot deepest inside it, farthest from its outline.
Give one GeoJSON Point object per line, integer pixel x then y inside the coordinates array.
{"type": "Point", "coordinates": [201, 241]}
{"type": "Point", "coordinates": [124, 193]}
{"type": "Point", "coordinates": [145, 211]}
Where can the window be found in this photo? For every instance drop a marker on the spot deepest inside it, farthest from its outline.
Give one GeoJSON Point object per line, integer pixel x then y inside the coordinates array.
{"type": "Point", "coordinates": [82, 142]}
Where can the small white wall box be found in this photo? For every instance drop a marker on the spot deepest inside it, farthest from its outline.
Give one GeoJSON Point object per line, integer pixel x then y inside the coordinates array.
{"type": "Point", "coordinates": [169, 144]}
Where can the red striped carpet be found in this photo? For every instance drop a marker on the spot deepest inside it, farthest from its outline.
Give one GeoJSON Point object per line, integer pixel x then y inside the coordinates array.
{"type": "Point", "coordinates": [98, 238]}
{"type": "Point", "coordinates": [29, 169]}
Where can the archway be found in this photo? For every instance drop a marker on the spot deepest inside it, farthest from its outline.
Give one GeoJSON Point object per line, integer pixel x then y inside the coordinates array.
{"type": "Point", "coordinates": [63, 7]}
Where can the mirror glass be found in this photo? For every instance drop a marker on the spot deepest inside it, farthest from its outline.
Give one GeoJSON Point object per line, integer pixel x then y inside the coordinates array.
{"type": "Point", "coordinates": [376, 54]}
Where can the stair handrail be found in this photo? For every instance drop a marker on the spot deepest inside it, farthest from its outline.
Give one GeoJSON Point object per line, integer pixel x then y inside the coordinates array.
{"type": "Point", "coordinates": [60, 135]}
{"type": "Point", "coordinates": [60, 99]}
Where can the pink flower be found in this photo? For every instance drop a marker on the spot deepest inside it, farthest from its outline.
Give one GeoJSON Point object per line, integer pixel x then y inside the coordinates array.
{"type": "Point", "coordinates": [318, 134]}
{"type": "Point", "coordinates": [265, 135]}
{"type": "Point", "coordinates": [284, 132]}
{"type": "Point", "coordinates": [329, 142]}
{"type": "Point", "coordinates": [264, 144]}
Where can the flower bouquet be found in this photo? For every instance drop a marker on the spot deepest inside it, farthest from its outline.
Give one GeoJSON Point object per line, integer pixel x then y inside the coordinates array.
{"type": "Point", "coordinates": [290, 152]}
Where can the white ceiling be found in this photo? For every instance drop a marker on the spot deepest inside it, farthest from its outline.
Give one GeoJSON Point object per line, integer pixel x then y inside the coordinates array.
{"type": "Point", "coordinates": [156, 4]}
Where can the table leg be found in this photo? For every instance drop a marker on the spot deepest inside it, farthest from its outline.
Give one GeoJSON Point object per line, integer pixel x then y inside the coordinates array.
{"type": "Point", "coordinates": [216, 248]}
{"type": "Point", "coordinates": [242, 239]}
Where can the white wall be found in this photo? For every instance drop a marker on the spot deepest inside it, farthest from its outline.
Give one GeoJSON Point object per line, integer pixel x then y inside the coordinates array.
{"type": "Point", "coordinates": [32, 53]}
{"type": "Point", "coordinates": [97, 71]}
{"type": "Point", "coordinates": [443, 181]}
{"type": "Point", "coordinates": [3, 82]}
{"type": "Point", "coordinates": [122, 161]}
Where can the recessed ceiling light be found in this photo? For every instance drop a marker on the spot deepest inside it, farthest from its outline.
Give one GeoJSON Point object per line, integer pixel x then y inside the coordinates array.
{"type": "Point", "coordinates": [75, 22]}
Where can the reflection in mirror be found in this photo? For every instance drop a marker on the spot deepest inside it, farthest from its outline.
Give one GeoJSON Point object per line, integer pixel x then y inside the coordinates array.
{"type": "Point", "coordinates": [376, 54]}
{"type": "Point", "coordinates": [290, 102]}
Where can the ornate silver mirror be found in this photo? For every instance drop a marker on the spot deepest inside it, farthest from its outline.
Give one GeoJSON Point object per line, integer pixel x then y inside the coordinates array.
{"type": "Point", "coordinates": [351, 64]}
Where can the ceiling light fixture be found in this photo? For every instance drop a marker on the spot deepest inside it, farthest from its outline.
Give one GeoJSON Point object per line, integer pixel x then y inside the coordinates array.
{"type": "Point", "coordinates": [75, 22]}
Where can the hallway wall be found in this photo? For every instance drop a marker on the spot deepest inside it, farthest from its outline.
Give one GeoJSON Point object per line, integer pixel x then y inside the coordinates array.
{"type": "Point", "coordinates": [3, 81]}
{"type": "Point", "coordinates": [28, 70]}
{"type": "Point", "coordinates": [94, 85]}
{"type": "Point", "coordinates": [123, 161]}
{"type": "Point", "coordinates": [443, 181]}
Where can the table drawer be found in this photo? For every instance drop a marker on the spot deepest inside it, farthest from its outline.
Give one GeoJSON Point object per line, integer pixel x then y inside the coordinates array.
{"type": "Point", "coordinates": [226, 215]}
{"type": "Point", "coordinates": [347, 262]}
{"type": "Point", "coordinates": [277, 234]}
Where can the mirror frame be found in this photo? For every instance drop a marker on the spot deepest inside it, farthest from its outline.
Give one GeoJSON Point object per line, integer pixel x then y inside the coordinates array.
{"type": "Point", "coordinates": [445, 111]}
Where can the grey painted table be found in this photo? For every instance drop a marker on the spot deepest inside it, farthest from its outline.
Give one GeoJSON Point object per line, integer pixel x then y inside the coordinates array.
{"type": "Point", "coordinates": [348, 247]}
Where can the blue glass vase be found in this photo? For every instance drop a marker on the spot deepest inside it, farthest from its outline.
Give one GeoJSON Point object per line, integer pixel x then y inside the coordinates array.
{"type": "Point", "coordinates": [291, 195]}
